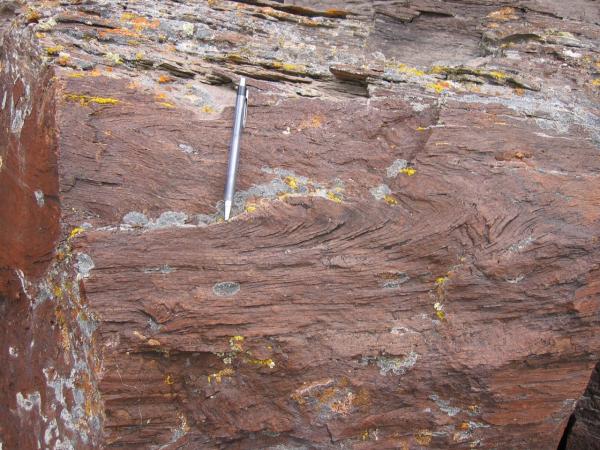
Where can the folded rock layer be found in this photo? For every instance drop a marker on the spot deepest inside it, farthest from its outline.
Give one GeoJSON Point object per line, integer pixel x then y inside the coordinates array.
{"type": "Point", "coordinates": [413, 258]}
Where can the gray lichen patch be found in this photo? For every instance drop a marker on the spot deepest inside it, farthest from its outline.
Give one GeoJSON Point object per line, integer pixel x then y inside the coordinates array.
{"type": "Point", "coordinates": [286, 183]}
{"type": "Point", "coordinates": [394, 169]}
{"type": "Point", "coordinates": [39, 198]}
{"type": "Point", "coordinates": [393, 364]}
{"type": "Point", "coordinates": [164, 269]}
{"type": "Point", "coordinates": [169, 219]}
{"type": "Point", "coordinates": [188, 149]}
{"type": "Point", "coordinates": [84, 265]}
{"type": "Point", "coordinates": [396, 281]}
{"type": "Point", "coordinates": [444, 406]}
{"type": "Point", "coordinates": [379, 192]}
{"type": "Point", "coordinates": [226, 288]}
{"type": "Point", "coordinates": [135, 219]}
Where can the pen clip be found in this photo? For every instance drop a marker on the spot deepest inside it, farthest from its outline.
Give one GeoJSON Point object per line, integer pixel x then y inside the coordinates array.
{"type": "Point", "coordinates": [245, 109]}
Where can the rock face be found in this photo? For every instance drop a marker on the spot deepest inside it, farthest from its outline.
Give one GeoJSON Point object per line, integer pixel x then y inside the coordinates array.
{"type": "Point", "coordinates": [583, 430]}
{"type": "Point", "coordinates": [413, 259]}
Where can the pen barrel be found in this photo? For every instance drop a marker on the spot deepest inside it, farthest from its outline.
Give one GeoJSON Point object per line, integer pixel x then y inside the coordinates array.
{"type": "Point", "coordinates": [234, 148]}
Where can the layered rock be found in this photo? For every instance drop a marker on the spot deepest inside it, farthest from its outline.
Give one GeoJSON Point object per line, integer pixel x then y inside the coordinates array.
{"type": "Point", "coordinates": [414, 253]}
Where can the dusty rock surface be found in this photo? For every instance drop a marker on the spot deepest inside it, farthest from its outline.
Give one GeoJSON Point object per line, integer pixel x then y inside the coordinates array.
{"type": "Point", "coordinates": [414, 257]}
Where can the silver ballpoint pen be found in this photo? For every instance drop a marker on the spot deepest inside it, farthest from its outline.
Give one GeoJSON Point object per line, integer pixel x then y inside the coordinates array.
{"type": "Point", "coordinates": [239, 122]}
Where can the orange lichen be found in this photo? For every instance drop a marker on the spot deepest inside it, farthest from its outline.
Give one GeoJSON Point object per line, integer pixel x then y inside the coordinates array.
{"type": "Point", "coordinates": [140, 23]}
{"type": "Point", "coordinates": [118, 32]}
{"type": "Point", "coordinates": [464, 426]}
{"type": "Point", "coordinates": [314, 122]}
{"type": "Point", "coordinates": [438, 87]}
{"type": "Point", "coordinates": [503, 14]}
{"type": "Point", "coordinates": [343, 406]}
{"type": "Point", "coordinates": [423, 437]}
{"type": "Point", "coordinates": [165, 79]}
{"type": "Point", "coordinates": [63, 59]}
{"type": "Point", "coordinates": [32, 15]}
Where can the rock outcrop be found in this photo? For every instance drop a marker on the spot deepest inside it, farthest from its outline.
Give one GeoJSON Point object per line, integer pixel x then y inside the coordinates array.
{"type": "Point", "coordinates": [413, 259]}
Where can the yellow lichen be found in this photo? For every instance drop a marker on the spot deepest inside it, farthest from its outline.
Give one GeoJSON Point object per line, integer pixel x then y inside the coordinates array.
{"type": "Point", "coordinates": [390, 199]}
{"type": "Point", "coordinates": [169, 379]}
{"type": "Point", "coordinates": [153, 342]}
{"type": "Point", "coordinates": [288, 67]}
{"type": "Point", "coordinates": [498, 75]}
{"type": "Point", "coordinates": [262, 362]}
{"type": "Point", "coordinates": [440, 281]}
{"type": "Point", "coordinates": [291, 182]}
{"type": "Point", "coordinates": [75, 231]}
{"type": "Point", "coordinates": [334, 197]}
{"type": "Point", "coordinates": [57, 291]}
{"type": "Point", "coordinates": [437, 70]}
{"type": "Point", "coordinates": [403, 68]}
{"type": "Point", "coordinates": [235, 343]}
{"type": "Point", "coordinates": [439, 310]}
{"type": "Point", "coordinates": [596, 82]}
{"type": "Point", "coordinates": [250, 207]}
{"type": "Point", "coordinates": [54, 51]}
{"type": "Point", "coordinates": [113, 58]}
{"type": "Point", "coordinates": [227, 372]}
{"type": "Point", "coordinates": [128, 16]}
{"type": "Point", "coordinates": [408, 171]}
{"type": "Point", "coordinates": [421, 129]}
{"type": "Point", "coordinates": [167, 105]}
{"type": "Point", "coordinates": [207, 109]}
{"type": "Point", "coordinates": [76, 75]}
{"type": "Point", "coordinates": [87, 99]}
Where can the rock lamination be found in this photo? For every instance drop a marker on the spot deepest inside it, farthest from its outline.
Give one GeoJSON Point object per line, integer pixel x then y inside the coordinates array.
{"type": "Point", "coordinates": [413, 259]}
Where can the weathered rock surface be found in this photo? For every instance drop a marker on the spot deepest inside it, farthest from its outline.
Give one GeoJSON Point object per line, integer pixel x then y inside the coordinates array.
{"type": "Point", "coordinates": [414, 256]}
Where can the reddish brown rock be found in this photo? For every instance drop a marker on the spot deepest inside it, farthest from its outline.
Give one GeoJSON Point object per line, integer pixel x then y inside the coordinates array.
{"type": "Point", "coordinates": [414, 253]}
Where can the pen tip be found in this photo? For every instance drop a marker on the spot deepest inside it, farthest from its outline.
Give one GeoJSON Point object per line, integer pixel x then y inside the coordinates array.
{"type": "Point", "coordinates": [227, 210]}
